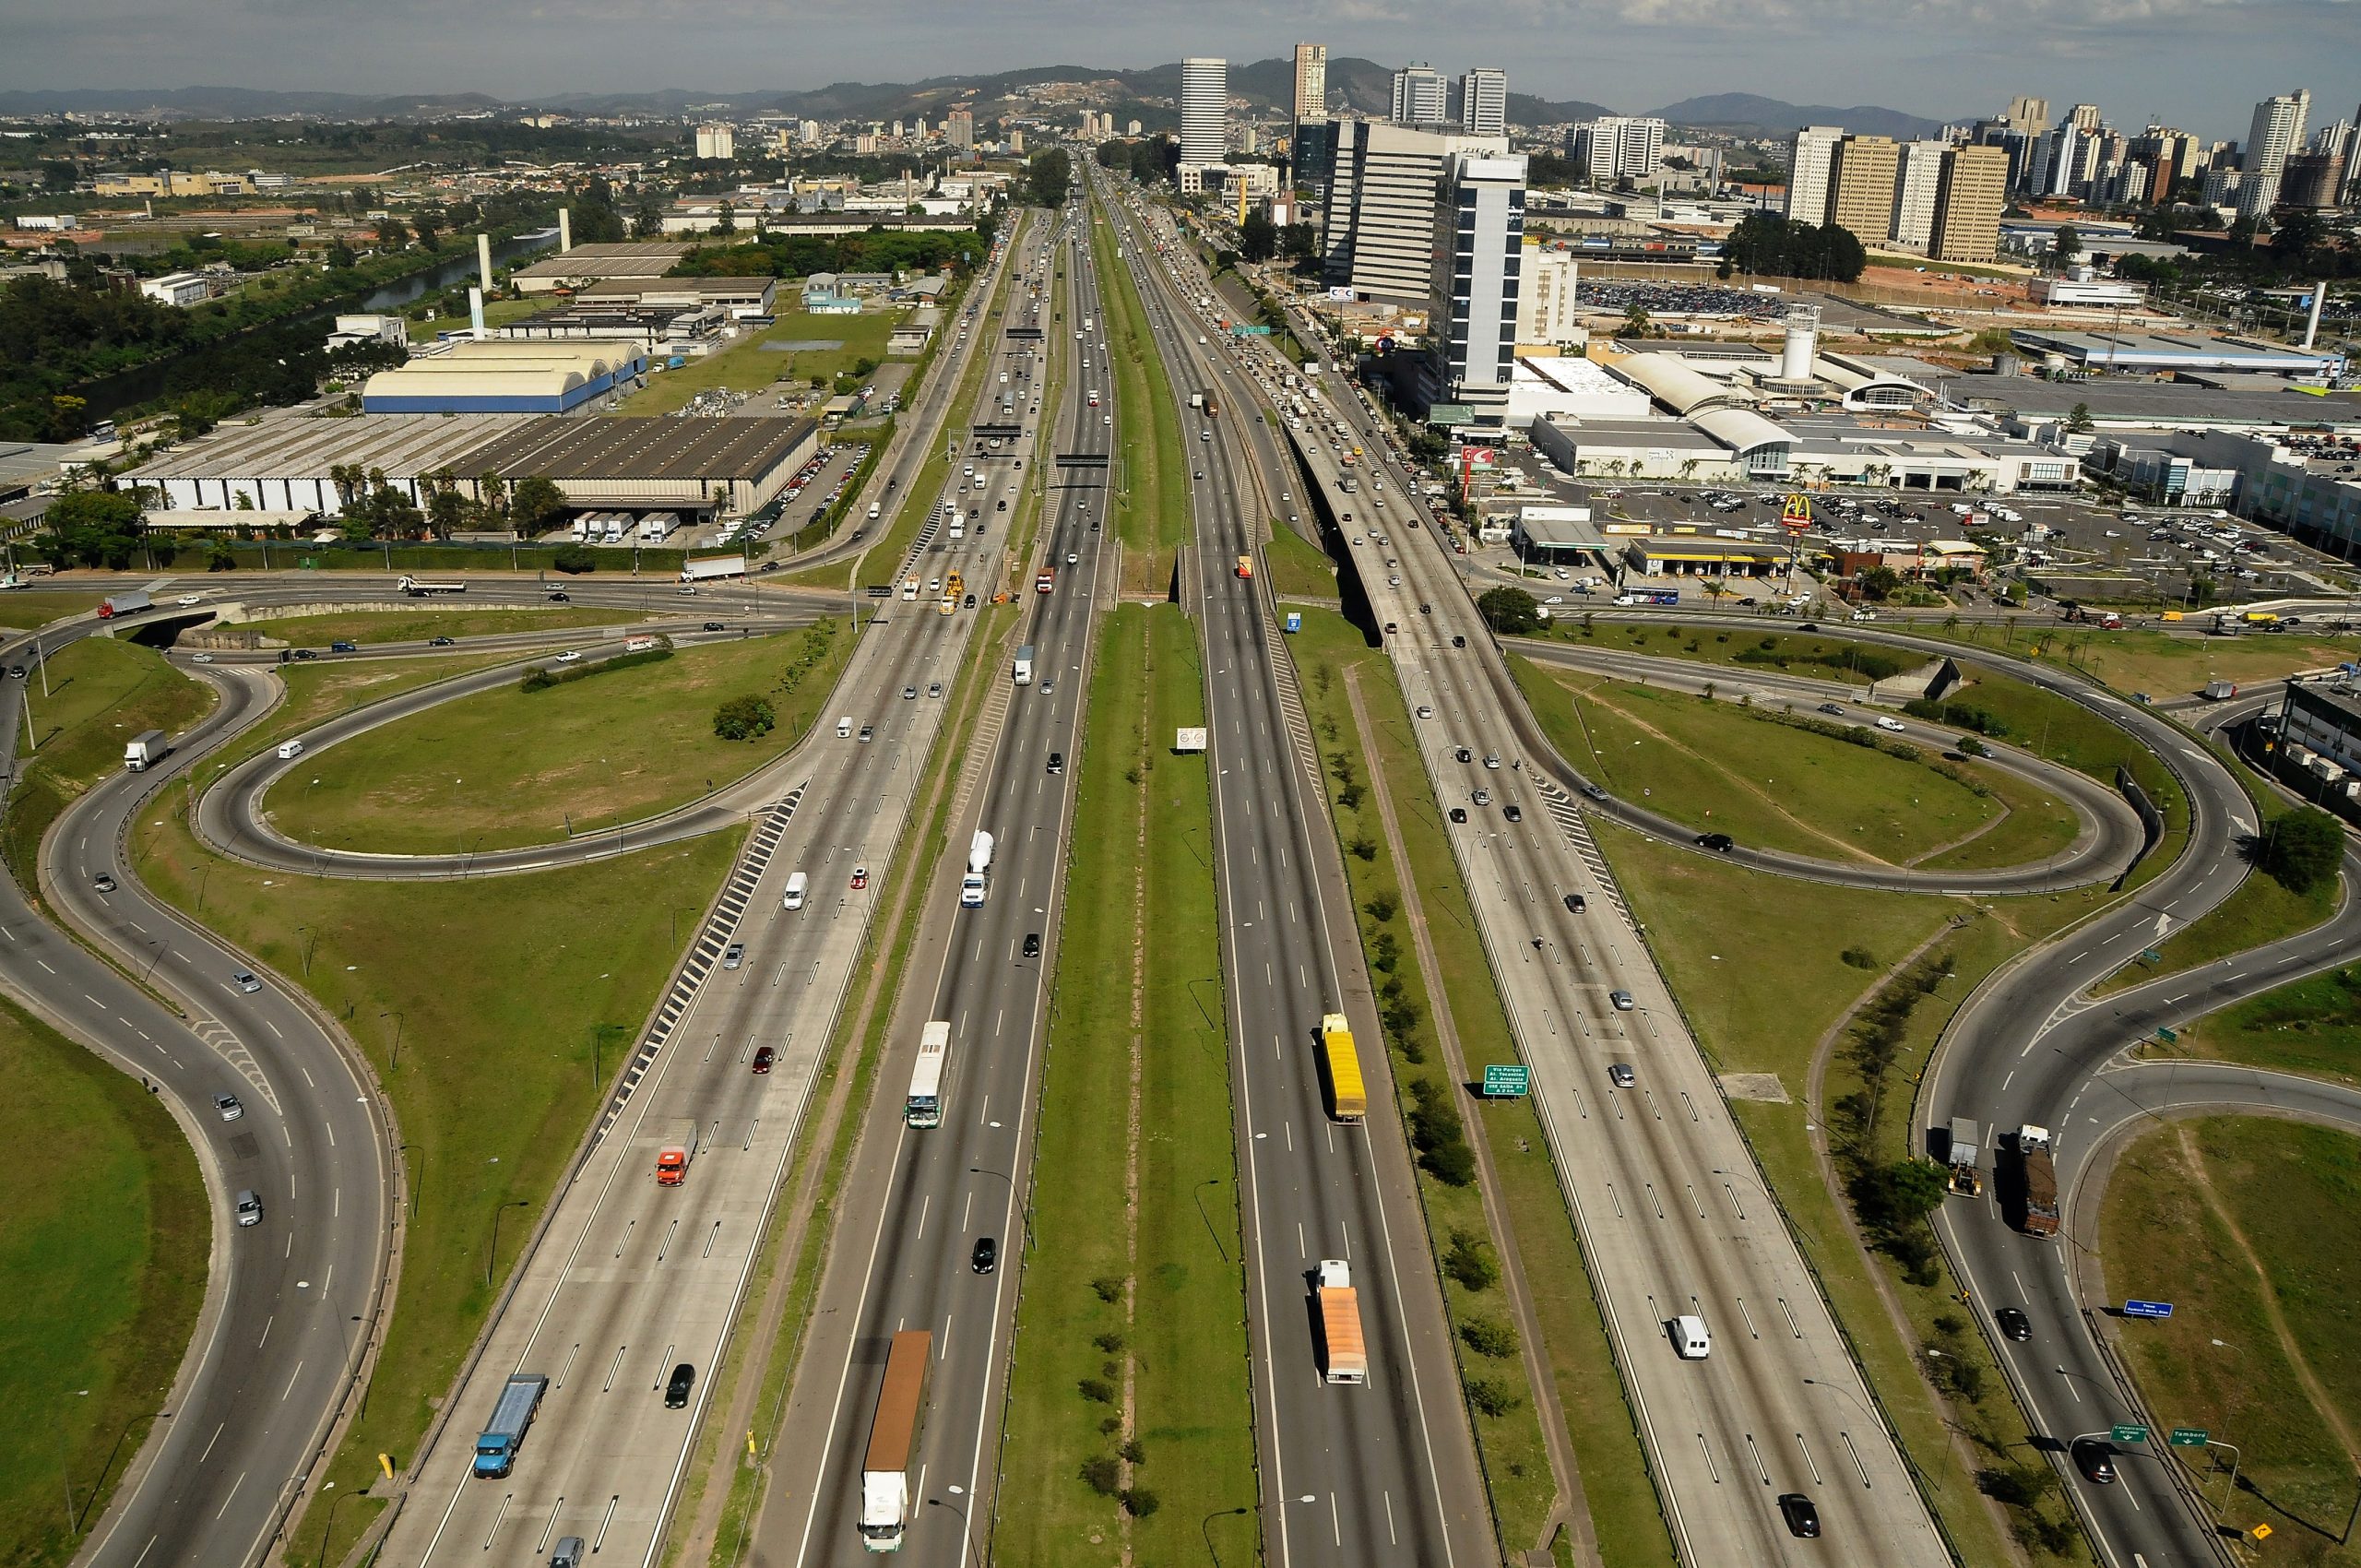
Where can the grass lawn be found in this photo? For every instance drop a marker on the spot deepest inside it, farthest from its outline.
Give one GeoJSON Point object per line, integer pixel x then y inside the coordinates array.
{"type": "Point", "coordinates": [1822, 656]}
{"type": "Point", "coordinates": [1760, 994]}
{"type": "Point", "coordinates": [365, 626]}
{"type": "Point", "coordinates": [2260, 910]}
{"type": "Point", "coordinates": [1133, 1295]}
{"type": "Point", "coordinates": [2312, 1025]}
{"type": "Point", "coordinates": [2038, 824]}
{"type": "Point", "coordinates": [1718, 768]}
{"type": "Point", "coordinates": [27, 608]}
{"type": "Point", "coordinates": [1298, 569]}
{"type": "Point", "coordinates": [101, 691]}
{"type": "Point", "coordinates": [104, 1249]}
{"type": "Point", "coordinates": [2164, 664]}
{"type": "Point", "coordinates": [1599, 1423]}
{"type": "Point", "coordinates": [608, 748]}
{"type": "Point", "coordinates": [561, 967]}
{"type": "Point", "coordinates": [747, 366]}
{"type": "Point", "coordinates": [1152, 511]}
{"type": "Point", "coordinates": [2265, 1217]}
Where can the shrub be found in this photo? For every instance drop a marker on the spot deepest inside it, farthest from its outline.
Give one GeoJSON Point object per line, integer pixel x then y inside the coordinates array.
{"type": "Point", "coordinates": [1453, 1164]}
{"type": "Point", "coordinates": [1490, 1336]}
{"type": "Point", "coordinates": [1132, 1451]}
{"type": "Point", "coordinates": [1859, 957]}
{"type": "Point", "coordinates": [1109, 1287]}
{"type": "Point", "coordinates": [1097, 1390]}
{"type": "Point", "coordinates": [1112, 1343]}
{"type": "Point", "coordinates": [1468, 1260]}
{"type": "Point", "coordinates": [744, 718]}
{"type": "Point", "coordinates": [1492, 1396]}
{"type": "Point", "coordinates": [575, 560]}
{"type": "Point", "coordinates": [1102, 1474]}
{"type": "Point", "coordinates": [1139, 1503]}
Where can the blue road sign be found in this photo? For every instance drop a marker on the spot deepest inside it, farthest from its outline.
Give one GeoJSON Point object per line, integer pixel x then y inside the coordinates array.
{"type": "Point", "coordinates": [2148, 1309]}
{"type": "Point", "coordinates": [1295, 620]}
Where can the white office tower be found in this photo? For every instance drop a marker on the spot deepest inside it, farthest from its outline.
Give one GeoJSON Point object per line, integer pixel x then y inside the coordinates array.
{"type": "Point", "coordinates": [1311, 82]}
{"type": "Point", "coordinates": [1810, 172]}
{"type": "Point", "coordinates": [2278, 130]}
{"type": "Point", "coordinates": [1380, 222]}
{"type": "Point", "coordinates": [1484, 101]}
{"type": "Point", "coordinates": [1204, 111]}
{"type": "Point", "coordinates": [1418, 97]}
{"type": "Point", "coordinates": [1915, 185]}
{"type": "Point", "coordinates": [1479, 248]}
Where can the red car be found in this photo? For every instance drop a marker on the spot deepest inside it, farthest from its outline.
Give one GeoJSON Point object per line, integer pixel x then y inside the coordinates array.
{"type": "Point", "coordinates": [762, 1054]}
{"type": "Point", "coordinates": [860, 878]}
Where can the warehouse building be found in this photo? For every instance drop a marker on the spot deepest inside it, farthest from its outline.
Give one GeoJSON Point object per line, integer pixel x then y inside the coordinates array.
{"type": "Point", "coordinates": [2152, 353]}
{"type": "Point", "coordinates": [655, 329]}
{"type": "Point", "coordinates": [701, 467]}
{"type": "Point", "coordinates": [741, 297]}
{"type": "Point", "coordinates": [585, 264]}
{"type": "Point", "coordinates": [506, 375]}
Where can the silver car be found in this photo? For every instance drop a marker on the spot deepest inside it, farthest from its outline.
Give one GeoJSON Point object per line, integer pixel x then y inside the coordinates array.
{"type": "Point", "coordinates": [1622, 1000]}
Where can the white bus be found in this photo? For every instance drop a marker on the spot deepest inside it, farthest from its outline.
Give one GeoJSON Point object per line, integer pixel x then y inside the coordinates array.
{"type": "Point", "coordinates": [924, 1107]}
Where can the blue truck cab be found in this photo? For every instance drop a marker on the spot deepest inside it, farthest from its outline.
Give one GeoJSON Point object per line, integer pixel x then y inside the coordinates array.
{"type": "Point", "coordinates": [520, 1398]}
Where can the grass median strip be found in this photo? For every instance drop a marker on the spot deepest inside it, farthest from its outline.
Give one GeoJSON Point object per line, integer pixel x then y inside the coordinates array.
{"type": "Point", "coordinates": [1498, 1395]}
{"type": "Point", "coordinates": [561, 969]}
{"type": "Point", "coordinates": [1129, 1423]}
{"type": "Point", "coordinates": [104, 1247]}
{"type": "Point", "coordinates": [416, 625]}
{"type": "Point", "coordinates": [1152, 511]}
{"type": "Point", "coordinates": [507, 766]}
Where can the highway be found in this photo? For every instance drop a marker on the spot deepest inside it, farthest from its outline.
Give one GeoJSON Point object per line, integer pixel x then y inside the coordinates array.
{"type": "Point", "coordinates": [1386, 1472]}
{"type": "Point", "coordinates": [626, 1278]}
{"type": "Point", "coordinates": [291, 1303]}
{"type": "Point", "coordinates": [917, 1199]}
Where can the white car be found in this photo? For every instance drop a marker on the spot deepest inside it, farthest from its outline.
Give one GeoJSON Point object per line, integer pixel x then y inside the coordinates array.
{"type": "Point", "coordinates": [190, 599]}
{"type": "Point", "coordinates": [1892, 724]}
{"type": "Point", "coordinates": [571, 656]}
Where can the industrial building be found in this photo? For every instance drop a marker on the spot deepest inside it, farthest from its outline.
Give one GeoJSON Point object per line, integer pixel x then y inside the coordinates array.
{"type": "Point", "coordinates": [506, 375]}
{"type": "Point", "coordinates": [2155, 354]}
{"type": "Point", "coordinates": [585, 264]}
{"type": "Point", "coordinates": [703, 467]}
{"type": "Point", "coordinates": [654, 329]}
{"type": "Point", "coordinates": [741, 297]}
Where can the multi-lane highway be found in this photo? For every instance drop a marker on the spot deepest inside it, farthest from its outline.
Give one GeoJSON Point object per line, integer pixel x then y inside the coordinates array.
{"type": "Point", "coordinates": [918, 1199]}
{"type": "Point", "coordinates": [1386, 1472]}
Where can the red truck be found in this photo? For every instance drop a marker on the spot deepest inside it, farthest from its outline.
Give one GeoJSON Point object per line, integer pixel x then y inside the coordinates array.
{"type": "Point", "coordinates": [1045, 580]}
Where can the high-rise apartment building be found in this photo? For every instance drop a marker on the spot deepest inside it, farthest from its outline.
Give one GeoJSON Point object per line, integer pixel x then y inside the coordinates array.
{"type": "Point", "coordinates": [1478, 238]}
{"type": "Point", "coordinates": [1915, 187]}
{"type": "Point", "coordinates": [1968, 202]}
{"type": "Point", "coordinates": [2083, 116]}
{"type": "Point", "coordinates": [1546, 284]}
{"type": "Point", "coordinates": [1204, 111]}
{"type": "Point", "coordinates": [716, 141]}
{"type": "Point", "coordinates": [1380, 226]}
{"type": "Point", "coordinates": [1810, 169]}
{"type": "Point", "coordinates": [1311, 82]}
{"type": "Point", "coordinates": [959, 129]}
{"type": "Point", "coordinates": [1617, 146]}
{"type": "Point", "coordinates": [2278, 131]}
{"type": "Point", "coordinates": [2030, 116]}
{"type": "Point", "coordinates": [1419, 97]}
{"type": "Point", "coordinates": [1484, 101]}
{"type": "Point", "coordinates": [1860, 197]}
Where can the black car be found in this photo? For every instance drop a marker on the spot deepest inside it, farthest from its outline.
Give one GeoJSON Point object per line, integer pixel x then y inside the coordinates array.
{"type": "Point", "coordinates": [1836, 709]}
{"type": "Point", "coordinates": [1803, 1519]}
{"type": "Point", "coordinates": [676, 1393]}
{"type": "Point", "coordinates": [2014, 1324]}
{"type": "Point", "coordinates": [1459, 642]}
{"type": "Point", "coordinates": [1721, 843]}
{"type": "Point", "coordinates": [16, 672]}
{"type": "Point", "coordinates": [1575, 903]}
{"type": "Point", "coordinates": [1809, 626]}
{"type": "Point", "coordinates": [1514, 814]}
{"type": "Point", "coordinates": [441, 642]}
{"type": "Point", "coordinates": [715, 626]}
{"type": "Point", "coordinates": [1057, 762]}
{"type": "Point", "coordinates": [2095, 1460]}
{"type": "Point", "coordinates": [307, 653]}
{"type": "Point", "coordinates": [560, 595]}
{"type": "Point", "coordinates": [986, 1256]}
{"type": "Point", "coordinates": [1459, 813]}
{"type": "Point", "coordinates": [1032, 949]}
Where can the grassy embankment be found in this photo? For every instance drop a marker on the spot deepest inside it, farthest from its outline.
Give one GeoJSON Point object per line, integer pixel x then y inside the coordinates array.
{"type": "Point", "coordinates": [802, 1224]}
{"type": "Point", "coordinates": [24, 609]}
{"type": "Point", "coordinates": [365, 626]}
{"type": "Point", "coordinates": [1760, 996]}
{"type": "Point", "coordinates": [507, 766]}
{"type": "Point", "coordinates": [1130, 1328]}
{"type": "Point", "coordinates": [1771, 784]}
{"type": "Point", "coordinates": [100, 692]}
{"type": "Point", "coordinates": [749, 365]}
{"type": "Point", "coordinates": [1298, 569]}
{"type": "Point", "coordinates": [561, 966]}
{"type": "Point", "coordinates": [2162, 664]}
{"type": "Point", "coordinates": [1152, 514]}
{"type": "Point", "coordinates": [2266, 1221]}
{"type": "Point", "coordinates": [1599, 1423]}
{"type": "Point", "coordinates": [2312, 1025]}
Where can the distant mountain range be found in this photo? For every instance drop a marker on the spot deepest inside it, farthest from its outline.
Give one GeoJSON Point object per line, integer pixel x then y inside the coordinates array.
{"type": "Point", "coordinates": [1363, 85]}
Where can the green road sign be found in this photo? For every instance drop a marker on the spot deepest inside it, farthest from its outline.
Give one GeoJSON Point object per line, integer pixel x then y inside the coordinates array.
{"type": "Point", "coordinates": [2127, 1431]}
{"type": "Point", "coordinates": [2168, 1035]}
{"type": "Point", "coordinates": [1502, 1082]}
{"type": "Point", "coordinates": [2189, 1437]}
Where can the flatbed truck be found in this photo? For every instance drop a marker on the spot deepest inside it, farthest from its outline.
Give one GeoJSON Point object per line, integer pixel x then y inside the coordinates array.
{"type": "Point", "coordinates": [512, 1417]}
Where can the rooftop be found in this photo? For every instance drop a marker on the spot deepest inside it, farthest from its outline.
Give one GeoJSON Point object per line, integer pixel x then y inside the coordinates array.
{"type": "Point", "coordinates": [637, 259]}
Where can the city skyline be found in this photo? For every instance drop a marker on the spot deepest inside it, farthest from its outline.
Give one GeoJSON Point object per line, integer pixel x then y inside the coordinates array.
{"type": "Point", "coordinates": [2165, 59]}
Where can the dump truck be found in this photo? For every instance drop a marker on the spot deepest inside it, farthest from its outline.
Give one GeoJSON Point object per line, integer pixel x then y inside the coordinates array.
{"type": "Point", "coordinates": [1967, 1181]}
{"type": "Point", "coordinates": [1347, 1099]}
{"type": "Point", "coordinates": [419, 587]}
{"type": "Point", "coordinates": [1344, 1358]}
{"type": "Point", "coordinates": [979, 869]}
{"type": "Point", "coordinates": [496, 1447]}
{"type": "Point", "coordinates": [130, 603]}
{"type": "Point", "coordinates": [894, 1441]}
{"type": "Point", "coordinates": [672, 1155]}
{"type": "Point", "coordinates": [2041, 1181]}
{"type": "Point", "coordinates": [144, 750]}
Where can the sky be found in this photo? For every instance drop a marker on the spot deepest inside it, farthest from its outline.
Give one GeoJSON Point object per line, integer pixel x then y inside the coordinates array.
{"type": "Point", "coordinates": [2197, 63]}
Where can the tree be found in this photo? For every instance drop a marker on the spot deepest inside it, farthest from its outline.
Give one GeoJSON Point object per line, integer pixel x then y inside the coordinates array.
{"type": "Point", "coordinates": [2295, 236]}
{"type": "Point", "coordinates": [1048, 178]}
{"type": "Point", "coordinates": [1509, 611]}
{"type": "Point", "coordinates": [2065, 245]}
{"type": "Point", "coordinates": [1635, 320]}
{"type": "Point", "coordinates": [744, 718]}
{"type": "Point", "coordinates": [2302, 849]}
{"type": "Point", "coordinates": [1298, 241]}
{"type": "Point", "coordinates": [534, 504]}
{"type": "Point", "coordinates": [1258, 237]}
{"type": "Point", "coordinates": [1880, 583]}
{"type": "Point", "coordinates": [93, 528]}
{"type": "Point", "coordinates": [392, 233]}
{"type": "Point", "coordinates": [2078, 419]}
{"type": "Point", "coordinates": [728, 222]}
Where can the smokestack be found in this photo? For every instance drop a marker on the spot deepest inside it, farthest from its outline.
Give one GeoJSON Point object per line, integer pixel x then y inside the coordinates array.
{"type": "Point", "coordinates": [564, 230]}
{"type": "Point", "coordinates": [484, 260]}
{"type": "Point", "coordinates": [475, 313]}
{"type": "Point", "coordinates": [1802, 345]}
{"type": "Point", "coordinates": [2312, 322]}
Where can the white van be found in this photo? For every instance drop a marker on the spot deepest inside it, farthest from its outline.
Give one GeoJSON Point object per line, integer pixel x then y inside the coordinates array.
{"type": "Point", "coordinates": [291, 749]}
{"type": "Point", "coordinates": [794, 901]}
{"type": "Point", "coordinates": [1689, 1338]}
{"type": "Point", "coordinates": [844, 728]}
{"type": "Point", "coordinates": [876, 510]}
